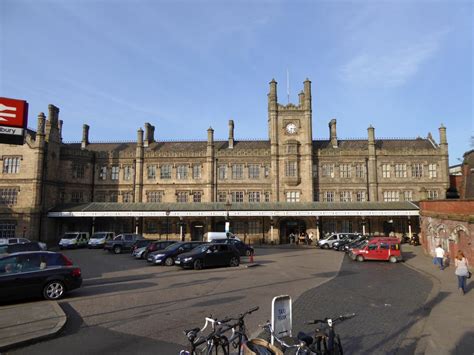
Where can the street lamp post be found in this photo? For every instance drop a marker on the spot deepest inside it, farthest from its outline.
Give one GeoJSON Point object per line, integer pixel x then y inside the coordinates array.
{"type": "Point", "coordinates": [167, 223]}
{"type": "Point", "coordinates": [228, 205]}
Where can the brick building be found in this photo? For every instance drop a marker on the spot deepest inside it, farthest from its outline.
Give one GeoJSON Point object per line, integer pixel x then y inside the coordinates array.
{"type": "Point", "coordinates": [449, 223]}
{"type": "Point", "coordinates": [290, 182]}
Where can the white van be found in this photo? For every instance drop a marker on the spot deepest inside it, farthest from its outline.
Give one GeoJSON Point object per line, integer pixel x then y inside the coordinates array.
{"type": "Point", "coordinates": [98, 239]}
{"type": "Point", "coordinates": [74, 240]}
{"type": "Point", "coordinates": [210, 236]}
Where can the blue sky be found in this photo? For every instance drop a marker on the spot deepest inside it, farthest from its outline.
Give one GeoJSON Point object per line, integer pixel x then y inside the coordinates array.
{"type": "Point", "coordinates": [403, 66]}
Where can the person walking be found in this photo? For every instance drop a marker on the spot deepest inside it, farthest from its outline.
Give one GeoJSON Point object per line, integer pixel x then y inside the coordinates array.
{"type": "Point", "coordinates": [462, 270]}
{"type": "Point", "coordinates": [439, 252]}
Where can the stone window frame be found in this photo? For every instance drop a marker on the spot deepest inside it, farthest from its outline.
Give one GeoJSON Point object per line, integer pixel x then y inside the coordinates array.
{"type": "Point", "coordinates": [11, 164]}
{"type": "Point", "coordinates": [113, 196]}
{"type": "Point", "coordinates": [386, 171]}
{"type": "Point", "coordinates": [291, 168]}
{"type": "Point", "coordinates": [127, 172]}
{"type": "Point", "coordinates": [78, 170]}
{"type": "Point", "coordinates": [222, 196]}
{"type": "Point", "coordinates": [114, 172]}
{"type": "Point", "coordinates": [254, 171]}
{"type": "Point", "coordinates": [254, 196]}
{"type": "Point", "coordinates": [433, 171]}
{"type": "Point", "coordinates": [267, 196]}
{"type": "Point", "coordinates": [360, 170]}
{"type": "Point", "coordinates": [328, 196]}
{"type": "Point", "coordinates": [222, 172]}
{"type": "Point", "coordinates": [182, 196]}
{"type": "Point", "coordinates": [345, 196]}
{"type": "Point", "coordinates": [182, 171]}
{"type": "Point", "coordinates": [9, 196]}
{"type": "Point", "coordinates": [361, 196]}
{"type": "Point", "coordinates": [237, 171]}
{"type": "Point", "coordinates": [345, 170]}
{"type": "Point", "coordinates": [77, 196]}
{"type": "Point", "coordinates": [154, 196]}
{"type": "Point", "coordinates": [314, 170]}
{"type": "Point", "coordinates": [266, 170]}
{"type": "Point", "coordinates": [237, 196]}
{"type": "Point", "coordinates": [151, 172]}
{"type": "Point", "coordinates": [401, 170]}
{"type": "Point", "coordinates": [293, 196]}
{"type": "Point", "coordinates": [7, 229]}
{"type": "Point", "coordinates": [327, 170]}
{"type": "Point", "coordinates": [432, 194]}
{"type": "Point", "coordinates": [197, 196]}
{"type": "Point", "coordinates": [103, 172]}
{"type": "Point", "coordinates": [165, 171]}
{"type": "Point", "coordinates": [408, 195]}
{"type": "Point", "coordinates": [197, 171]}
{"type": "Point", "coordinates": [127, 196]}
{"type": "Point", "coordinates": [391, 196]}
{"type": "Point", "coordinates": [417, 170]}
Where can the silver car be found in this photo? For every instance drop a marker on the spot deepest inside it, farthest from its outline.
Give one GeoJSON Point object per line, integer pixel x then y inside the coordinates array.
{"type": "Point", "coordinates": [328, 242]}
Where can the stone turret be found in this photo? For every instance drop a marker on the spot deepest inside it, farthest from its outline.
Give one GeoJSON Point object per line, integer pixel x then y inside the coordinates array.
{"type": "Point", "coordinates": [372, 166]}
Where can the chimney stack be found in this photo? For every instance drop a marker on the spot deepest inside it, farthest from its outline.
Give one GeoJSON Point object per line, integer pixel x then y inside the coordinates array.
{"type": "Point", "coordinates": [333, 133]}
{"type": "Point", "coordinates": [140, 137]}
{"type": "Point", "coordinates": [371, 132]}
{"type": "Point", "coordinates": [85, 136]}
{"type": "Point", "coordinates": [149, 134]}
{"type": "Point", "coordinates": [442, 135]}
{"type": "Point", "coordinates": [210, 136]}
{"type": "Point", "coordinates": [231, 134]}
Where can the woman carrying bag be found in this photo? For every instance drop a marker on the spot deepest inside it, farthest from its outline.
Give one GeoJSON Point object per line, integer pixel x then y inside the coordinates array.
{"type": "Point", "coordinates": [462, 270]}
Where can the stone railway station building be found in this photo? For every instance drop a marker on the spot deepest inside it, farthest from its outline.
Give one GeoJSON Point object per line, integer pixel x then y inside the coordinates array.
{"type": "Point", "coordinates": [265, 189]}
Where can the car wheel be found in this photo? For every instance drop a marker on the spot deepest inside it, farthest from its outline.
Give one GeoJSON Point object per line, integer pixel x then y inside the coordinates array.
{"type": "Point", "coordinates": [54, 290]}
{"type": "Point", "coordinates": [325, 246]}
{"type": "Point", "coordinates": [248, 252]}
{"type": "Point", "coordinates": [117, 249]}
{"type": "Point", "coordinates": [360, 258]}
{"type": "Point", "coordinates": [169, 262]}
{"type": "Point", "coordinates": [144, 256]}
{"type": "Point", "coordinates": [197, 264]}
{"type": "Point", "coordinates": [393, 259]}
{"type": "Point", "coordinates": [234, 261]}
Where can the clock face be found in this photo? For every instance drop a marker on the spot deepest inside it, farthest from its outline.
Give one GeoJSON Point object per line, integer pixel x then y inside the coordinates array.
{"type": "Point", "coordinates": [291, 128]}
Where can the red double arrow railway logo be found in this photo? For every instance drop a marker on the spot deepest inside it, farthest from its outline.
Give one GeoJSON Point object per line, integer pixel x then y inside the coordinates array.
{"type": "Point", "coordinates": [13, 113]}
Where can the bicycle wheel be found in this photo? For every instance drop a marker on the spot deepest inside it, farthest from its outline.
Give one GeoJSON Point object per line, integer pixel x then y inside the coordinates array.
{"type": "Point", "coordinates": [337, 346]}
{"type": "Point", "coordinates": [259, 347]}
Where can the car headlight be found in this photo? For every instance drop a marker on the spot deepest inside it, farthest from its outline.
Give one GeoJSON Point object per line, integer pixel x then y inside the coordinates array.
{"type": "Point", "coordinates": [187, 259]}
{"type": "Point", "coordinates": [159, 256]}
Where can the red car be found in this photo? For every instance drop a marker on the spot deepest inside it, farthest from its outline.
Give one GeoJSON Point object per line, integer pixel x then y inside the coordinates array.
{"type": "Point", "coordinates": [379, 248]}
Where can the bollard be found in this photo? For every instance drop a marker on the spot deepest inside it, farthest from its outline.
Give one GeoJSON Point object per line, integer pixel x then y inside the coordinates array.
{"type": "Point", "coordinates": [251, 258]}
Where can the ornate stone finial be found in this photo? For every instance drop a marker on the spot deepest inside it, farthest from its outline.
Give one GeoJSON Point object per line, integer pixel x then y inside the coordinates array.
{"type": "Point", "coordinates": [41, 121]}
{"type": "Point", "coordinates": [273, 81]}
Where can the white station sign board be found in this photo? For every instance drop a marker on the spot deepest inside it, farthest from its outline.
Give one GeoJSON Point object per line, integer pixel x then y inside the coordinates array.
{"type": "Point", "coordinates": [281, 316]}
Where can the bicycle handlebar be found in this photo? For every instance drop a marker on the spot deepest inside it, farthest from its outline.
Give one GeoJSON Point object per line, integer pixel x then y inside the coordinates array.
{"type": "Point", "coordinates": [333, 320]}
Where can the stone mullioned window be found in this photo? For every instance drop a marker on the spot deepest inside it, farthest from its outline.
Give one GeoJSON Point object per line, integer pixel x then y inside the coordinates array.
{"type": "Point", "coordinates": [11, 165]}
{"type": "Point", "coordinates": [9, 196]}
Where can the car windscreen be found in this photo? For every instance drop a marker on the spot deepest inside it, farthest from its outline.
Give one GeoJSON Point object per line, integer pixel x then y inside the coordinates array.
{"type": "Point", "coordinates": [70, 236]}
{"type": "Point", "coordinates": [99, 236]}
{"type": "Point", "coordinates": [119, 237]}
{"type": "Point", "coordinates": [175, 246]}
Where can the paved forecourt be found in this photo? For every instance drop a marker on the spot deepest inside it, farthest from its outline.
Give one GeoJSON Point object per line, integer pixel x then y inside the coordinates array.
{"type": "Point", "coordinates": [127, 306]}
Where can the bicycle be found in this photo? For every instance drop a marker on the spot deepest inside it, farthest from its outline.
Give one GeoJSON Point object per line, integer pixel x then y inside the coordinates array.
{"type": "Point", "coordinates": [216, 339]}
{"type": "Point", "coordinates": [326, 341]}
{"type": "Point", "coordinates": [301, 347]}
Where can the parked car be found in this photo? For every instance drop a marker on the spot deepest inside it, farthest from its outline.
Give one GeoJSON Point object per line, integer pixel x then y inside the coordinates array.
{"type": "Point", "coordinates": [37, 273]}
{"type": "Point", "coordinates": [98, 239]}
{"type": "Point", "coordinates": [157, 245]}
{"type": "Point", "coordinates": [346, 239]}
{"type": "Point", "coordinates": [380, 248]}
{"type": "Point", "coordinates": [16, 248]}
{"type": "Point", "coordinates": [5, 241]}
{"type": "Point", "coordinates": [122, 242]}
{"type": "Point", "coordinates": [142, 243]}
{"type": "Point", "coordinates": [327, 242]}
{"type": "Point", "coordinates": [167, 256]}
{"type": "Point", "coordinates": [211, 236]}
{"type": "Point", "coordinates": [209, 255]}
{"type": "Point", "coordinates": [244, 249]}
{"type": "Point", "coordinates": [74, 240]}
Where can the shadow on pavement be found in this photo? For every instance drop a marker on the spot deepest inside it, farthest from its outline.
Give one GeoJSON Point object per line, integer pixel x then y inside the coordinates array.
{"type": "Point", "coordinates": [466, 344]}
{"type": "Point", "coordinates": [104, 289]}
{"type": "Point", "coordinates": [217, 301]}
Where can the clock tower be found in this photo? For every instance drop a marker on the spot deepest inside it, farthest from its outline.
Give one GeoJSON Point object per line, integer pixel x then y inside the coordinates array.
{"type": "Point", "coordinates": [291, 140]}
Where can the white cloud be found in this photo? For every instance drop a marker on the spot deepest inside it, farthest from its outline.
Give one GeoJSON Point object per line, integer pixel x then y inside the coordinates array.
{"type": "Point", "coordinates": [394, 67]}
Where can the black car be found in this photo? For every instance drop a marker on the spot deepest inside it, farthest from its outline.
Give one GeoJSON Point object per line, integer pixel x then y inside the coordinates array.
{"type": "Point", "coordinates": [167, 256]}
{"type": "Point", "coordinates": [209, 255]}
{"type": "Point", "coordinates": [37, 273]}
{"type": "Point", "coordinates": [347, 239]}
{"type": "Point", "coordinates": [355, 243]}
{"type": "Point", "coordinates": [244, 249]}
